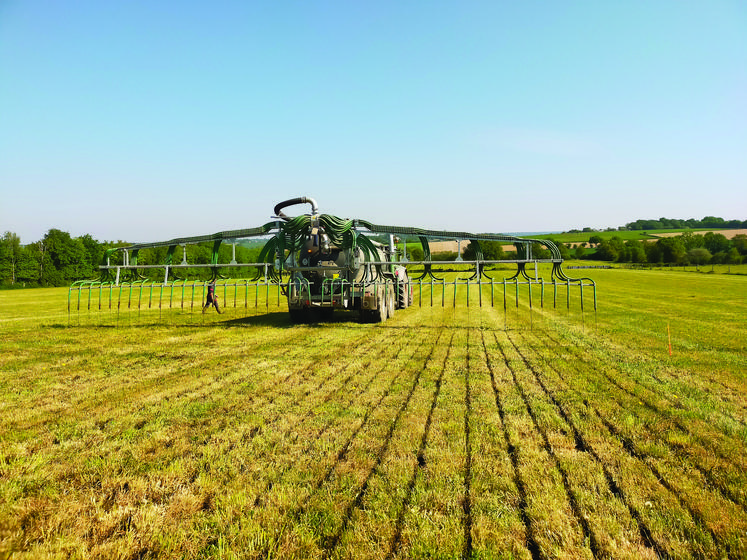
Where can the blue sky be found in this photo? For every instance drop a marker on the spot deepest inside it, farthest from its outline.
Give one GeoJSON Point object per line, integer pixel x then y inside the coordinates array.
{"type": "Point", "coordinates": [142, 120]}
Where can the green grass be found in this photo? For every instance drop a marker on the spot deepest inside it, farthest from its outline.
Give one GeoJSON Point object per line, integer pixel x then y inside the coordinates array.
{"type": "Point", "coordinates": [446, 432]}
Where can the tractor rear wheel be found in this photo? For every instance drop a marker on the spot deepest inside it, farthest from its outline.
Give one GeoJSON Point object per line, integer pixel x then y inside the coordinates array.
{"type": "Point", "coordinates": [299, 315]}
{"type": "Point", "coordinates": [382, 311]}
{"type": "Point", "coordinates": [403, 295]}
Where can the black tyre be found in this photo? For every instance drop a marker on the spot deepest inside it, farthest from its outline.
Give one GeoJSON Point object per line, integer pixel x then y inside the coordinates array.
{"type": "Point", "coordinates": [403, 295]}
{"type": "Point", "coordinates": [326, 314]}
{"type": "Point", "coordinates": [299, 315]}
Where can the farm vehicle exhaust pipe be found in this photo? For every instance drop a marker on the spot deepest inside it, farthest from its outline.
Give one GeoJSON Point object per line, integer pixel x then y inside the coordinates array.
{"type": "Point", "coordinates": [292, 202]}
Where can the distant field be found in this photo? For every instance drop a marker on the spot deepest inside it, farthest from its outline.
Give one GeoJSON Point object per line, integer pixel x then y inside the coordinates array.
{"type": "Point", "coordinates": [634, 235]}
{"type": "Point", "coordinates": [446, 432]}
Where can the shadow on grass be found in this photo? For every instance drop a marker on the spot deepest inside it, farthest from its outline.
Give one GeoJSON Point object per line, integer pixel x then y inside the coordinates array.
{"type": "Point", "coordinates": [281, 319]}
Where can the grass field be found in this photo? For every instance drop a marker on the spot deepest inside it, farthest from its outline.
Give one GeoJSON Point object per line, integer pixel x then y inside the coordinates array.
{"type": "Point", "coordinates": [446, 432]}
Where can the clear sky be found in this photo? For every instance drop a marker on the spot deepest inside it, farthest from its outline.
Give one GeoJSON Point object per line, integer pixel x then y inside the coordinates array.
{"type": "Point", "coordinates": [145, 120]}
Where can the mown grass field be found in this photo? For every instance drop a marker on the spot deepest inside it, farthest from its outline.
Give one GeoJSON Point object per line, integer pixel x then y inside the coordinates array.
{"type": "Point", "coordinates": [446, 432]}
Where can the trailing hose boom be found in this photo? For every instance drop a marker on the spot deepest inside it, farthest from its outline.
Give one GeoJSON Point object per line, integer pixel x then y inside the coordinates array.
{"type": "Point", "coordinates": [322, 263]}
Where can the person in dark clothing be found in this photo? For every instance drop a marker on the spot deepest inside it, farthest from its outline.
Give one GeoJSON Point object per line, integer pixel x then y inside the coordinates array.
{"type": "Point", "coordinates": [211, 299]}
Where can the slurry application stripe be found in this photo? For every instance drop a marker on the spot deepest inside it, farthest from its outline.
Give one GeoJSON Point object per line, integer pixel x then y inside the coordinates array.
{"type": "Point", "coordinates": [420, 459]}
{"type": "Point", "coordinates": [519, 482]}
{"type": "Point", "coordinates": [695, 517]}
{"type": "Point", "coordinates": [706, 471]}
{"type": "Point", "coordinates": [633, 450]}
{"type": "Point", "coordinates": [580, 519]}
{"type": "Point", "coordinates": [383, 450]}
{"type": "Point", "coordinates": [299, 510]}
{"type": "Point", "coordinates": [370, 368]}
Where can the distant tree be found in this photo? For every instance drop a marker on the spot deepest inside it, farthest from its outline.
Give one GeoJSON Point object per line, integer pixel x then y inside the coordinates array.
{"type": "Point", "coordinates": [606, 251]}
{"type": "Point", "coordinates": [491, 250]}
{"type": "Point", "coordinates": [595, 240]}
{"type": "Point", "coordinates": [612, 249]}
{"type": "Point", "coordinates": [739, 242]}
{"type": "Point", "coordinates": [712, 222]}
{"type": "Point", "coordinates": [94, 252]}
{"type": "Point", "coordinates": [691, 240]}
{"type": "Point", "coordinates": [10, 254]}
{"type": "Point", "coordinates": [734, 256]}
{"type": "Point", "coordinates": [415, 253]}
{"type": "Point", "coordinates": [444, 256]}
{"type": "Point", "coordinates": [30, 264]}
{"type": "Point", "coordinates": [565, 251]}
{"type": "Point", "coordinates": [579, 252]}
{"type": "Point", "coordinates": [653, 252]}
{"type": "Point", "coordinates": [716, 242]}
{"type": "Point", "coordinates": [652, 224]}
{"type": "Point", "coordinates": [64, 258]}
{"type": "Point", "coordinates": [635, 251]}
{"type": "Point", "coordinates": [699, 256]}
{"type": "Point", "coordinates": [672, 250]}
{"type": "Point", "coordinates": [539, 251]}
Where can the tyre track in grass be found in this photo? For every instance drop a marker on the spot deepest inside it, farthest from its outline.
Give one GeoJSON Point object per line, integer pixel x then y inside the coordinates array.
{"type": "Point", "coordinates": [693, 456]}
{"type": "Point", "coordinates": [373, 367]}
{"type": "Point", "coordinates": [672, 482]}
{"type": "Point", "coordinates": [331, 544]}
{"type": "Point", "coordinates": [519, 481]}
{"type": "Point", "coordinates": [419, 463]}
{"type": "Point", "coordinates": [300, 509]}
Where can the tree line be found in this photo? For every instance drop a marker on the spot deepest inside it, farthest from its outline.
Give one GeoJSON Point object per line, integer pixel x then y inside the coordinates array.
{"type": "Point", "coordinates": [59, 259]}
{"type": "Point", "coordinates": [688, 248]}
{"type": "Point", "coordinates": [711, 222]}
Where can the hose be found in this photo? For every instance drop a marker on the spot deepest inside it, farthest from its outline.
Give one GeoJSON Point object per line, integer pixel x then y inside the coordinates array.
{"type": "Point", "coordinates": [292, 202]}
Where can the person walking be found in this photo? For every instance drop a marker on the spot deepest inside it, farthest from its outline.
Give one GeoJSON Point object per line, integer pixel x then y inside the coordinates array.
{"type": "Point", "coordinates": [211, 299]}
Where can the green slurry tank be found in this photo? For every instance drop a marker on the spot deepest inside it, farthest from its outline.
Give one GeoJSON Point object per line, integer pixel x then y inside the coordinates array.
{"type": "Point", "coordinates": [334, 266]}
